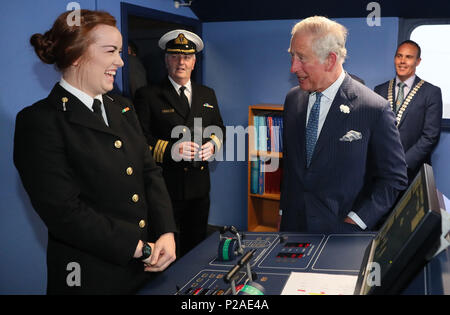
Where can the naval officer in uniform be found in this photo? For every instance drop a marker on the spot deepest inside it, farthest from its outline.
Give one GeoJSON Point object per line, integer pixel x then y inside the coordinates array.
{"type": "Point", "coordinates": [87, 169]}
{"type": "Point", "coordinates": [182, 122]}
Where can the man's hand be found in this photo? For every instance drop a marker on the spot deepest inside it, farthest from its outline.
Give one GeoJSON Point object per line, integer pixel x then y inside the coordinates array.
{"type": "Point", "coordinates": [207, 151]}
{"type": "Point", "coordinates": [185, 151]}
{"type": "Point", "coordinates": [163, 253]}
{"type": "Point", "coordinates": [348, 220]}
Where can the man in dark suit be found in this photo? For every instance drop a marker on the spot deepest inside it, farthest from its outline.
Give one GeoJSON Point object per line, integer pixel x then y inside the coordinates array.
{"type": "Point", "coordinates": [417, 105]}
{"type": "Point", "coordinates": [343, 160]}
{"type": "Point", "coordinates": [184, 129]}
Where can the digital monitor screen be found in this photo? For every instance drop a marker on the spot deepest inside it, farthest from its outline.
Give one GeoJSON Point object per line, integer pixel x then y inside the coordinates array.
{"type": "Point", "coordinates": [405, 241]}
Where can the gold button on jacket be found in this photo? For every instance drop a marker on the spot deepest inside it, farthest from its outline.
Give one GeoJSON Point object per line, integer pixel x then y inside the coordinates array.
{"type": "Point", "coordinates": [135, 198]}
{"type": "Point", "coordinates": [130, 171]}
{"type": "Point", "coordinates": [118, 144]}
{"type": "Point", "coordinates": [142, 224]}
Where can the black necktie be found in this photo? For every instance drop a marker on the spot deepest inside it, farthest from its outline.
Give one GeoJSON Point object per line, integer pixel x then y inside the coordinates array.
{"type": "Point", "coordinates": [184, 99]}
{"type": "Point", "coordinates": [97, 107]}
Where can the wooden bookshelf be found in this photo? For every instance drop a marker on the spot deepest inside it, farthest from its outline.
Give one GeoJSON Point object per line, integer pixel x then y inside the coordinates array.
{"type": "Point", "coordinates": [263, 207]}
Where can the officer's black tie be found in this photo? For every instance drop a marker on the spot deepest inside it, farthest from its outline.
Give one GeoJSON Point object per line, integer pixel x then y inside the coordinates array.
{"type": "Point", "coordinates": [97, 107]}
{"type": "Point", "coordinates": [184, 99]}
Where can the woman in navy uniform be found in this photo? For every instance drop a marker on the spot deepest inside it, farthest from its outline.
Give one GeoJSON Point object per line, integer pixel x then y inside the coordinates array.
{"type": "Point", "coordinates": [87, 169]}
{"type": "Point", "coordinates": [183, 126]}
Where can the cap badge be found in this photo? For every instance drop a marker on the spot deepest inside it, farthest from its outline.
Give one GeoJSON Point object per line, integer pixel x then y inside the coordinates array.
{"type": "Point", "coordinates": [181, 40]}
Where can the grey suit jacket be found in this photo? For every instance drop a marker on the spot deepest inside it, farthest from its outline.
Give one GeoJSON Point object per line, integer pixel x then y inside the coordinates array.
{"type": "Point", "coordinates": [358, 162]}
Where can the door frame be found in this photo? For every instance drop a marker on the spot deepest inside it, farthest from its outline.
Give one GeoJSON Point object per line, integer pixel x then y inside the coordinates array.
{"type": "Point", "coordinates": [127, 9]}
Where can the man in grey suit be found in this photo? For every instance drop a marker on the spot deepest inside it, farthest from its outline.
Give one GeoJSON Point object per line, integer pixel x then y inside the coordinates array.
{"type": "Point", "coordinates": [344, 163]}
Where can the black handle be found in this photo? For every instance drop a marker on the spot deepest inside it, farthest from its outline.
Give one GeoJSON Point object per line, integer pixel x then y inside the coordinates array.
{"type": "Point", "coordinates": [242, 262]}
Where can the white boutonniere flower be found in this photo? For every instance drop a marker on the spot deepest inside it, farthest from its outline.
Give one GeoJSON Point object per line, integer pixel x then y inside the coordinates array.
{"type": "Point", "coordinates": [345, 109]}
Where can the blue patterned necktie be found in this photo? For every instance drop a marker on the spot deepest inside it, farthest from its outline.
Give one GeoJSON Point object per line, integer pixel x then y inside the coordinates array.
{"type": "Point", "coordinates": [311, 129]}
{"type": "Point", "coordinates": [400, 96]}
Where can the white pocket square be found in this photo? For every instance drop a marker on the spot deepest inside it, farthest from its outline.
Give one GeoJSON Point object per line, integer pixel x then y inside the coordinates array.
{"type": "Point", "coordinates": [352, 135]}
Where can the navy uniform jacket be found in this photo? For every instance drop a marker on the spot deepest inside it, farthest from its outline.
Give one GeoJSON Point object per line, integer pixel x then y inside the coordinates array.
{"type": "Point", "coordinates": [96, 187]}
{"type": "Point", "coordinates": [420, 123]}
{"type": "Point", "coordinates": [160, 111]}
{"type": "Point", "coordinates": [358, 163]}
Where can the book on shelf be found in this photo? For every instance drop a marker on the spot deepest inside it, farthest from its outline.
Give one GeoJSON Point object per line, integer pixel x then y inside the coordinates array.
{"type": "Point", "coordinates": [268, 132]}
{"type": "Point", "coordinates": [254, 176]}
{"type": "Point", "coordinates": [265, 166]}
{"type": "Point", "coordinates": [262, 181]}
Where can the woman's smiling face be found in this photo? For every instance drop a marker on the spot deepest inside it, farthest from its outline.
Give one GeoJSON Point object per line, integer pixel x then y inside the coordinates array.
{"type": "Point", "coordinates": [98, 66]}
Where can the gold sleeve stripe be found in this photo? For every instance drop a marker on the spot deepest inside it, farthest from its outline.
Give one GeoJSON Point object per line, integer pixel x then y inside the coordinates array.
{"type": "Point", "coordinates": [217, 142]}
{"type": "Point", "coordinates": [155, 152]}
{"type": "Point", "coordinates": [158, 153]}
{"type": "Point", "coordinates": [161, 152]}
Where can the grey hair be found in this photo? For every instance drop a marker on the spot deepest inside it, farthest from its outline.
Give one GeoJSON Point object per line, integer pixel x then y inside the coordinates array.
{"type": "Point", "coordinates": [329, 36]}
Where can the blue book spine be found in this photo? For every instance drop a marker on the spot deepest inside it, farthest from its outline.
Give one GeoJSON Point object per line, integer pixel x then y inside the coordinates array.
{"type": "Point", "coordinates": [254, 177]}
{"type": "Point", "coordinates": [256, 139]}
{"type": "Point", "coordinates": [261, 177]}
{"type": "Point", "coordinates": [262, 133]}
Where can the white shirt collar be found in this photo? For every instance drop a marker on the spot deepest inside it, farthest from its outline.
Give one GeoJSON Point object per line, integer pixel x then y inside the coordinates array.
{"type": "Point", "coordinates": [327, 101]}
{"type": "Point", "coordinates": [82, 96]}
{"type": "Point", "coordinates": [409, 82]}
{"type": "Point", "coordinates": [332, 90]}
{"type": "Point", "coordinates": [177, 86]}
